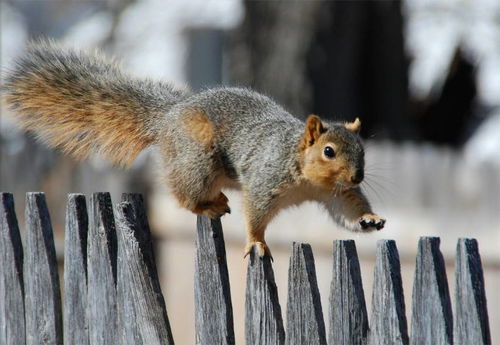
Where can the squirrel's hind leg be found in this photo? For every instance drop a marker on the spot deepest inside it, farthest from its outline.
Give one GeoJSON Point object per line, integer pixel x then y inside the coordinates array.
{"type": "Point", "coordinates": [200, 198]}
{"type": "Point", "coordinates": [193, 176]}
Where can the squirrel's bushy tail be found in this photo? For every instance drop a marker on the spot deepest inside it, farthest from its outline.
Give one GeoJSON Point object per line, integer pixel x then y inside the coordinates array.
{"type": "Point", "coordinates": [83, 103]}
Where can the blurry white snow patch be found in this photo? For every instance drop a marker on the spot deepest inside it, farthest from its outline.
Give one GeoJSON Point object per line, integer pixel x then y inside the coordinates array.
{"type": "Point", "coordinates": [484, 146]}
{"type": "Point", "coordinates": [432, 34]}
{"type": "Point", "coordinates": [150, 34]}
{"type": "Point", "coordinates": [13, 34]}
{"type": "Point", "coordinates": [91, 31]}
{"type": "Point", "coordinates": [489, 79]}
{"type": "Point", "coordinates": [434, 29]}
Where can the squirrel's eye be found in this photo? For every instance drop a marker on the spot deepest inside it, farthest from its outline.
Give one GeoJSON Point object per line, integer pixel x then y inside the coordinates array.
{"type": "Point", "coordinates": [329, 152]}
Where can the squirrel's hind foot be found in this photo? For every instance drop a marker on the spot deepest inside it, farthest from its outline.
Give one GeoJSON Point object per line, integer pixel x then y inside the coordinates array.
{"type": "Point", "coordinates": [262, 249]}
{"type": "Point", "coordinates": [215, 208]}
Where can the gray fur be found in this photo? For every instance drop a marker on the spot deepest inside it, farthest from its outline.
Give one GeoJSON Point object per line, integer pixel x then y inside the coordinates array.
{"type": "Point", "coordinates": [257, 146]}
{"type": "Point", "coordinates": [253, 143]}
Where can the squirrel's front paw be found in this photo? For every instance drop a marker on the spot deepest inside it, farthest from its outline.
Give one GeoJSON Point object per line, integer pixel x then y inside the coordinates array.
{"type": "Point", "coordinates": [369, 222]}
{"type": "Point", "coordinates": [262, 249]}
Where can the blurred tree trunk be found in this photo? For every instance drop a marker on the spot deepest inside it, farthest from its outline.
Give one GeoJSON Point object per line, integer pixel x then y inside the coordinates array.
{"type": "Point", "coordinates": [268, 51]}
{"type": "Point", "coordinates": [358, 66]}
{"type": "Point", "coordinates": [340, 59]}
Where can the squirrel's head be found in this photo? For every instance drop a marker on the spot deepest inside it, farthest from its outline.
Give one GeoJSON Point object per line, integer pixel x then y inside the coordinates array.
{"type": "Point", "coordinates": [332, 155]}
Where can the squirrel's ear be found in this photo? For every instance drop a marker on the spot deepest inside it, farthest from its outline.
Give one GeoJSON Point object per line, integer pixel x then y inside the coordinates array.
{"type": "Point", "coordinates": [353, 126]}
{"type": "Point", "coordinates": [314, 128]}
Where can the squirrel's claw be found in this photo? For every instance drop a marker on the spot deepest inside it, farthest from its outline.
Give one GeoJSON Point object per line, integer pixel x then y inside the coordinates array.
{"type": "Point", "coordinates": [371, 222]}
{"type": "Point", "coordinates": [262, 249]}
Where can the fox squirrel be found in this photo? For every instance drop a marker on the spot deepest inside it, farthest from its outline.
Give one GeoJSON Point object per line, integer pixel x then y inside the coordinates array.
{"type": "Point", "coordinates": [215, 139]}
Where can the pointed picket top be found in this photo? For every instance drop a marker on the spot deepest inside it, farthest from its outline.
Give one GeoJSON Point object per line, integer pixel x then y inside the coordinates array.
{"type": "Point", "coordinates": [75, 271]}
{"type": "Point", "coordinates": [348, 316]}
{"type": "Point", "coordinates": [214, 310]}
{"type": "Point", "coordinates": [144, 237]}
{"type": "Point", "coordinates": [41, 277]}
{"type": "Point", "coordinates": [102, 272]}
{"type": "Point", "coordinates": [305, 323]}
{"type": "Point", "coordinates": [12, 323]}
{"type": "Point", "coordinates": [471, 313]}
{"type": "Point", "coordinates": [263, 322]}
{"type": "Point", "coordinates": [432, 321]}
{"type": "Point", "coordinates": [143, 316]}
{"type": "Point", "coordinates": [388, 319]}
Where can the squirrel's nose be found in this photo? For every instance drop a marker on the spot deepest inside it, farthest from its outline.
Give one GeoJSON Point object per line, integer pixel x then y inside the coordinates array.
{"type": "Point", "coordinates": [358, 176]}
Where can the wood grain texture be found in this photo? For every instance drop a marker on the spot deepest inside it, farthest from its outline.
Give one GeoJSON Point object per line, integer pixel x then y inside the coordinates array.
{"type": "Point", "coordinates": [432, 322]}
{"type": "Point", "coordinates": [305, 323]}
{"type": "Point", "coordinates": [213, 308]}
{"type": "Point", "coordinates": [12, 324]}
{"type": "Point", "coordinates": [143, 316]}
{"type": "Point", "coordinates": [263, 322]}
{"type": "Point", "coordinates": [41, 279]}
{"type": "Point", "coordinates": [348, 316]}
{"type": "Point", "coordinates": [388, 318]}
{"type": "Point", "coordinates": [101, 265]}
{"type": "Point", "coordinates": [75, 271]}
{"type": "Point", "coordinates": [471, 312]}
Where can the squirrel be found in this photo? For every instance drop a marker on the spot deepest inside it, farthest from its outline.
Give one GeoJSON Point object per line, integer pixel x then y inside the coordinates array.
{"type": "Point", "coordinates": [218, 138]}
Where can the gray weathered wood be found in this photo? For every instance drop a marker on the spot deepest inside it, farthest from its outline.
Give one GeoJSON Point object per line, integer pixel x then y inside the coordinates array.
{"type": "Point", "coordinates": [263, 321]}
{"type": "Point", "coordinates": [143, 316]}
{"type": "Point", "coordinates": [431, 322]}
{"type": "Point", "coordinates": [305, 323]}
{"type": "Point", "coordinates": [348, 316]}
{"type": "Point", "coordinates": [101, 268]}
{"type": "Point", "coordinates": [471, 313]}
{"type": "Point", "coordinates": [12, 325]}
{"type": "Point", "coordinates": [213, 308]}
{"type": "Point", "coordinates": [41, 279]}
{"type": "Point", "coordinates": [388, 318]}
{"type": "Point", "coordinates": [75, 272]}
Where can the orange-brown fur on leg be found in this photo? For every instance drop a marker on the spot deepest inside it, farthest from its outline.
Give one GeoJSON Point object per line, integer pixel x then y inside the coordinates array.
{"type": "Point", "coordinates": [213, 208]}
{"type": "Point", "coordinates": [200, 128]}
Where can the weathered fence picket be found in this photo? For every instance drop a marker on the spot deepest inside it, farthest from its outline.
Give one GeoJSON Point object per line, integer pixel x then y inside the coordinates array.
{"type": "Point", "coordinates": [348, 316]}
{"type": "Point", "coordinates": [388, 318]}
{"type": "Point", "coordinates": [263, 321]}
{"type": "Point", "coordinates": [42, 300]}
{"type": "Point", "coordinates": [143, 316]}
{"type": "Point", "coordinates": [12, 325]}
{"type": "Point", "coordinates": [214, 311]}
{"type": "Point", "coordinates": [75, 319]}
{"type": "Point", "coordinates": [432, 321]}
{"type": "Point", "coordinates": [113, 296]}
{"type": "Point", "coordinates": [471, 312]}
{"type": "Point", "coordinates": [305, 323]}
{"type": "Point", "coordinates": [102, 274]}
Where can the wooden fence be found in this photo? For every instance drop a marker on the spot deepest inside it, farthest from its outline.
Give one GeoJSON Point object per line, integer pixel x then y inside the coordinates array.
{"type": "Point", "coordinates": [112, 294]}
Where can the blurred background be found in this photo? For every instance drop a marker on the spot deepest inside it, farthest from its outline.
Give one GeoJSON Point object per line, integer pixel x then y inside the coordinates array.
{"type": "Point", "coordinates": [424, 77]}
